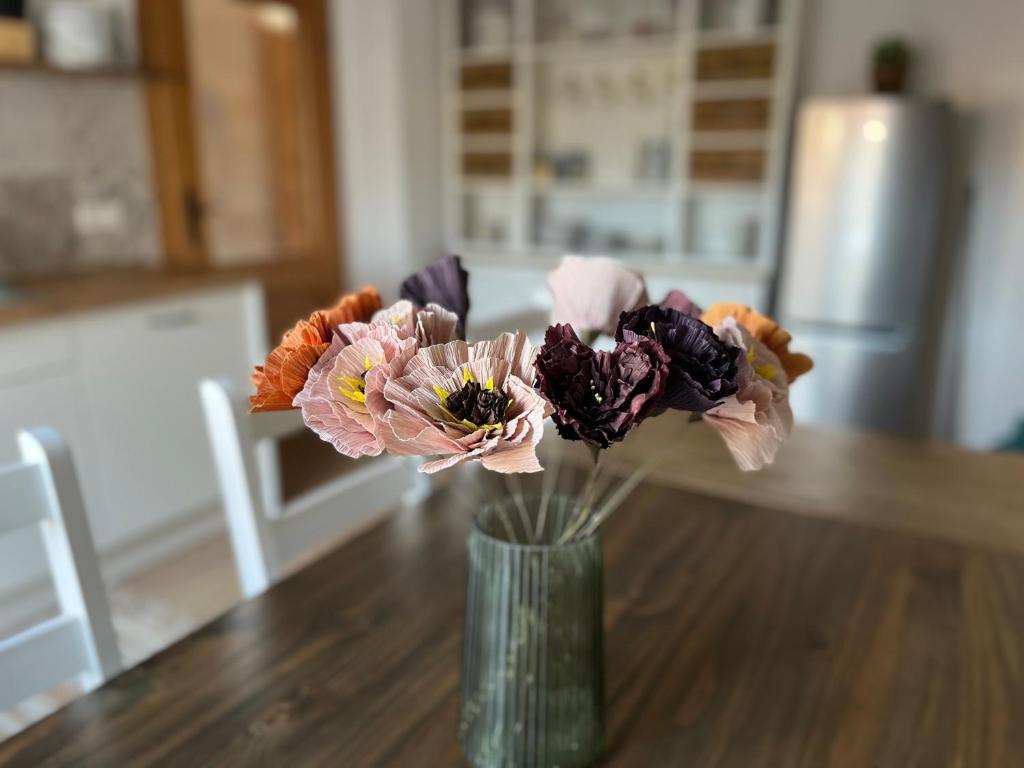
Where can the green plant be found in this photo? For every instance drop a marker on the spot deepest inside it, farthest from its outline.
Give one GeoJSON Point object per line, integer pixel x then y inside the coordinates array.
{"type": "Point", "coordinates": [892, 52]}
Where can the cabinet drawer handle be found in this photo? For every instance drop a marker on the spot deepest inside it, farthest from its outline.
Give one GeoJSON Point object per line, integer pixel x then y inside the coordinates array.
{"type": "Point", "coordinates": [172, 319]}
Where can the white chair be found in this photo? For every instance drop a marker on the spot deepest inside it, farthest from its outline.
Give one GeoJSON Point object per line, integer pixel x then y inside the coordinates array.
{"type": "Point", "coordinates": [266, 533]}
{"type": "Point", "coordinates": [79, 644]}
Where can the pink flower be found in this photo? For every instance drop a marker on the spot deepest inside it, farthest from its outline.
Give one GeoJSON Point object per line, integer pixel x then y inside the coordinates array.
{"type": "Point", "coordinates": [591, 292]}
{"type": "Point", "coordinates": [757, 419]}
{"type": "Point", "coordinates": [429, 325]}
{"type": "Point", "coordinates": [333, 401]}
{"type": "Point", "coordinates": [462, 402]}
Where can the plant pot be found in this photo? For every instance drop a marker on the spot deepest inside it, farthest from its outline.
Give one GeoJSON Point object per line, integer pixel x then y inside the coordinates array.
{"type": "Point", "coordinates": [890, 78]}
{"type": "Point", "coordinates": [533, 647]}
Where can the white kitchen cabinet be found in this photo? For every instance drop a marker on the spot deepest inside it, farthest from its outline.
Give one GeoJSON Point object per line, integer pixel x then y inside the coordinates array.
{"type": "Point", "coordinates": [140, 367]}
{"type": "Point", "coordinates": [121, 385]}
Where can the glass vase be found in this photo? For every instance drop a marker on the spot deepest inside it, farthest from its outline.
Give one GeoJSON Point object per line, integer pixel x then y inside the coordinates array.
{"type": "Point", "coordinates": [533, 659]}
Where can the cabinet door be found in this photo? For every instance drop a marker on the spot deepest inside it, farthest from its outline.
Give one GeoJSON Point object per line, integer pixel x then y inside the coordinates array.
{"type": "Point", "coordinates": [141, 368]}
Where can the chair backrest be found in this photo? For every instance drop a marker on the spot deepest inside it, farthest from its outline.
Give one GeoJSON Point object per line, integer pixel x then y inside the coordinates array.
{"type": "Point", "coordinates": [80, 642]}
{"type": "Point", "coordinates": [267, 534]}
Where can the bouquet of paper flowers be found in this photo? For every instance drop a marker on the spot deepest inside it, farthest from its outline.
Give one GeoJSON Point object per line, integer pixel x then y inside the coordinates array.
{"type": "Point", "coordinates": [403, 380]}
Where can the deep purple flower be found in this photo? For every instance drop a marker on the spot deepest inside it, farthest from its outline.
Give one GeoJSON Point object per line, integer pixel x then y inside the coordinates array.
{"type": "Point", "coordinates": [676, 299]}
{"type": "Point", "coordinates": [443, 282]}
{"type": "Point", "coordinates": [599, 396]}
{"type": "Point", "coordinates": [702, 371]}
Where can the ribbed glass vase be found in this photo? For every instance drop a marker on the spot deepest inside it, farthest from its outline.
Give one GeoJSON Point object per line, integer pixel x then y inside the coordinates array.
{"type": "Point", "coordinates": [533, 659]}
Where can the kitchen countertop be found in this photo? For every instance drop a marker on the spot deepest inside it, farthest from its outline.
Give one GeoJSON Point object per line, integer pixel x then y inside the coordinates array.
{"type": "Point", "coordinates": [45, 297]}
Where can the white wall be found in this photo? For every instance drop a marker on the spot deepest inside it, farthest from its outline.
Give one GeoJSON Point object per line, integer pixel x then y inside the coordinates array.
{"type": "Point", "coordinates": [971, 53]}
{"type": "Point", "coordinates": [385, 81]}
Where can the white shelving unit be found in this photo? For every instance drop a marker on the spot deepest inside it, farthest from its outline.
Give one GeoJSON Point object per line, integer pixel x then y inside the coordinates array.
{"type": "Point", "coordinates": [542, 137]}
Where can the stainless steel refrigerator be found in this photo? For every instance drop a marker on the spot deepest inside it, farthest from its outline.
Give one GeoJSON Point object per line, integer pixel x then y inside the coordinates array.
{"type": "Point", "coordinates": [863, 257]}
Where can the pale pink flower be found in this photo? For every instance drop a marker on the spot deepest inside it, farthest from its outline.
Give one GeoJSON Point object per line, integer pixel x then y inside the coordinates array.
{"type": "Point", "coordinates": [333, 401]}
{"type": "Point", "coordinates": [757, 419]}
{"type": "Point", "coordinates": [591, 292]}
{"type": "Point", "coordinates": [429, 325]}
{"type": "Point", "coordinates": [462, 402]}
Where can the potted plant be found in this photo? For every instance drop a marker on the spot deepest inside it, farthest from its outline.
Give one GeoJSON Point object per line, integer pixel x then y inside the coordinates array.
{"type": "Point", "coordinates": [891, 60]}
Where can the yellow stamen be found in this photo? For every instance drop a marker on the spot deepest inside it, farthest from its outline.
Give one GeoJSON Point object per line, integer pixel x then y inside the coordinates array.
{"type": "Point", "coordinates": [355, 389]}
{"type": "Point", "coordinates": [467, 376]}
{"type": "Point", "coordinates": [489, 386]}
{"type": "Point", "coordinates": [441, 393]}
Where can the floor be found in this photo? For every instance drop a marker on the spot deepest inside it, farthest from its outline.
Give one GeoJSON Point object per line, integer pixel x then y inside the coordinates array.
{"type": "Point", "coordinates": [151, 610]}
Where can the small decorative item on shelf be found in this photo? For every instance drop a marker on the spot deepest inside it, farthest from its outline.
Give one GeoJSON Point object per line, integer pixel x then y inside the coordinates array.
{"type": "Point", "coordinates": [78, 35]}
{"type": "Point", "coordinates": [17, 36]}
{"type": "Point", "coordinates": [891, 64]}
{"type": "Point", "coordinates": [404, 381]}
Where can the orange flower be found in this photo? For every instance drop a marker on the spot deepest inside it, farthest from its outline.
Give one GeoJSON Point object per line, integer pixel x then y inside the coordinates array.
{"type": "Point", "coordinates": [284, 373]}
{"type": "Point", "coordinates": [765, 330]}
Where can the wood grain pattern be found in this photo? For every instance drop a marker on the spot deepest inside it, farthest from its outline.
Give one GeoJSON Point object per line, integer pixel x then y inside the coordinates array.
{"type": "Point", "coordinates": [730, 115]}
{"type": "Point", "coordinates": [737, 62]}
{"type": "Point", "coordinates": [727, 165]}
{"type": "Point", "coordinates": [736, 636]}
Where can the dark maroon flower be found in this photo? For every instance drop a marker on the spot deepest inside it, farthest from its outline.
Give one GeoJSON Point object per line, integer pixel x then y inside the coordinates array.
{"type": "Point", "coordinates": [443, 282]}
{"type": "Point", "coordinates": [599, 396]}
{"type": "Point", "coordinates": [702, 371]}
{"type": "Point", "coordinates": [676, 299]}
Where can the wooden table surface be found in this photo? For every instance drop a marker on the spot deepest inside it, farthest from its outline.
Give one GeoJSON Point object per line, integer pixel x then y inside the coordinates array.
{"type": "Point", "coordinates": [737, 635]}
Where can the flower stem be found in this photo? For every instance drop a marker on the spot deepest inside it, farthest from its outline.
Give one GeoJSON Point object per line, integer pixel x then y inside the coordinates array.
{"type": "Point", "coordinates": [585, 497]}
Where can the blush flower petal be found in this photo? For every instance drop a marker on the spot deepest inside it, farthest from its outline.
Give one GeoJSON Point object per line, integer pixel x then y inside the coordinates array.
{"type": "Point", "coordinates": [679, 301]}
{"type": "Point", "coordinates": [461, 402]}
{"type": "Point", "coordinates": [429, 325]}
{"type": "Point", "coordinates": [755, 422]}
{"type": "Point", "coordinates": [334, 399]}
{"type": "Point", "coordinates": [589, 293]}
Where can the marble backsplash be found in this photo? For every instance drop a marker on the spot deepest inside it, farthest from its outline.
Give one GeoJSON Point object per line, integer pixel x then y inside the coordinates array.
{"type": "Point", "coordinates": [76, 189]}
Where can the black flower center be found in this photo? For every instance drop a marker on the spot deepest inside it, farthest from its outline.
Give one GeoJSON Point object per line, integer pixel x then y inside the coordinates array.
{"type": "Point", "coordinates": [476, 406]}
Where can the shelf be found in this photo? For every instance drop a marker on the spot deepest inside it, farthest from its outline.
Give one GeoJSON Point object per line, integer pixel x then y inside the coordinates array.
{"type": "Point", "coordinates": [710, 188]}
{"type": "Point", "coordinates": [732, 89]}
{"type": "Point", "coordinates": [656, 189]}
{"type": "Point", "coordinates": [721, 38]}
{"type": "Point", "coordinates": [653, 265]}
{"type": "Point", "coordinates": [105, 73]}
{"type": "Point", "coordinates": [486, 54]}
{"type": "Point", "coordinates": [486, 142]}
{"type": "Point", "coordinates": [497, 185]}
{"type": "Point", "coordinates": [653, 46]}
{"type": "Point", "coordinates": [486, 99]}
{"type": "Point", "coordinates": [725, 139]}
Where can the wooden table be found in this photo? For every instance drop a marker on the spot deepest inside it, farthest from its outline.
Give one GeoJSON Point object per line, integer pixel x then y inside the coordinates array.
{"type": "Point", "coordinates": [737, 635]}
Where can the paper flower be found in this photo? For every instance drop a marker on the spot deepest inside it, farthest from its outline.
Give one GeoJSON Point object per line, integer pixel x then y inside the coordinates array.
{"type": "Point", "coordinates": [429, 325]}
{"type": "Point", "coordinates": [599, 396]}
{"type": "Point", "coordinates": [757, 419]}
{"type": "Point", "coordinates": [680, 302]}
{"type": "Point", "coordinates": [444, 283]}
{"type": "Point", "coordinates": [333, 401]}
{"type": "Point", "coordinates": [765, 330]}
{"type": "Point", "coordinates": [462, 402]}
{"type": "Point", "coordinates": [590, 293]}
{"type": "Point", "coordinates": [702, 371]}
{"type": "Point", "coordinates": [284, 373]}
